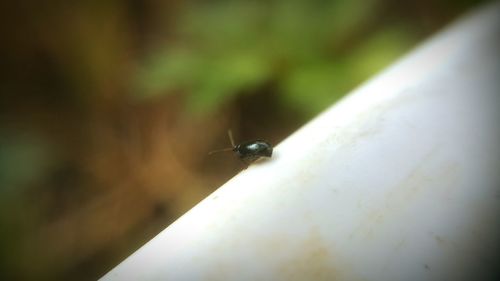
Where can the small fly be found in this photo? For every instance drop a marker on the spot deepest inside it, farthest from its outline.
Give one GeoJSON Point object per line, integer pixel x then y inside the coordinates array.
{"type": "Point", "coordinates": [248, 151]}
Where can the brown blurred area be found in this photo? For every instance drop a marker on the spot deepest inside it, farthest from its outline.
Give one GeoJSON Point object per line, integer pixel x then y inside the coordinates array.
{"type": "Point", "coordinates": [116, 171]}
{"type": "Point", "coordinates": [91, 172]}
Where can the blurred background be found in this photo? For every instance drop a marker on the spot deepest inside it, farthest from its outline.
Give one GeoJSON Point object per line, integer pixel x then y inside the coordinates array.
{"type": "Point", "coordinates": [109, 108]}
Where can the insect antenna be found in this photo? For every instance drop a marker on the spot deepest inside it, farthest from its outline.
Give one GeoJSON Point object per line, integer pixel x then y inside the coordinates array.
{"type": "Point", "coordinates": [220, 150]}
{"type": "Point", "coordinates": [230, 134]}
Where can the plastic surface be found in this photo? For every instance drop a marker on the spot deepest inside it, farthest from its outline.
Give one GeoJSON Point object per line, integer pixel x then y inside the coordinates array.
{"type": "Point", "coordinates": [398, 181]}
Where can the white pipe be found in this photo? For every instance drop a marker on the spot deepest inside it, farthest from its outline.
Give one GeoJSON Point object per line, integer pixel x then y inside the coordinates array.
{"type": "Point", "coordinates": [398, 181]}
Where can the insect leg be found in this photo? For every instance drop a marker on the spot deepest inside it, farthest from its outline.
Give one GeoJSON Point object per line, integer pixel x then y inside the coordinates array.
{"type": "Point", "coordinates": [245, 162]}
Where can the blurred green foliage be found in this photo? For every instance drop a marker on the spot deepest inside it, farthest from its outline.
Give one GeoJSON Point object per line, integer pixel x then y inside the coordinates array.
{"type": "Point", "coordinates": [222, 48]}
{"type": "Point", "coordinates": [23, 160]}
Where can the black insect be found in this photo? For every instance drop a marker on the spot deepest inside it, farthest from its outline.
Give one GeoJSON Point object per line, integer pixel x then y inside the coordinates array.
{"type": "Point", "coordinates": [248, 151]}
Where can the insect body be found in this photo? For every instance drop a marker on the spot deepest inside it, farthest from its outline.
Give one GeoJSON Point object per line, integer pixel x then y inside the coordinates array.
{"type": "Point", "coordinates": [249, 151]}
{"type": "Point", "coordinates": [252, 150]}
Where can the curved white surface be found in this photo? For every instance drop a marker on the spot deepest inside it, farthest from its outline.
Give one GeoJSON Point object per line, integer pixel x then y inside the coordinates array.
{"type": "Point", "coordinates": [398, 181]}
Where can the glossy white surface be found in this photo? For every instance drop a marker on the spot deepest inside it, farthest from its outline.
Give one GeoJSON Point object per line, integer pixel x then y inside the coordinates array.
{"type": "Point", "coordinates": [398, 181]}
